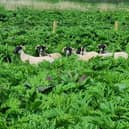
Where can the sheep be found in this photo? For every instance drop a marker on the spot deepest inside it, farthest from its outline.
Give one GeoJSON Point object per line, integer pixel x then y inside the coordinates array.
{"type": "Point", "coordinates": [83, 55]}
{"type": "Point", "coordinates": [32, 60]}
{"type": "Point", "coordinates": [116, 55]}
{"type": "Point", "coordinates": [41, 52]}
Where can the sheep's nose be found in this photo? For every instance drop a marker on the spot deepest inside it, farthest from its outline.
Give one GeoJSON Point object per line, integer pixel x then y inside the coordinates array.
{"type": "Point", "coordinates": [67, 52]}
{"type": "Point", "coordinates": [81, 52]}
{"type": "Point", "coordinates": [101, 49]}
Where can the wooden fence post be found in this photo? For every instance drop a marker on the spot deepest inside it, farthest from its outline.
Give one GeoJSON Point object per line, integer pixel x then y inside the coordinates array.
{"type": "Point", "coordinates": [116, 26]}
{"type": "Point", "coordinates": [54, 26]}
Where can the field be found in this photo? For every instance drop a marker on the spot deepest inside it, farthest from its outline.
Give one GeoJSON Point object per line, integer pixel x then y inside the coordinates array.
{"type": "Point", "coordinates": [85, 95]}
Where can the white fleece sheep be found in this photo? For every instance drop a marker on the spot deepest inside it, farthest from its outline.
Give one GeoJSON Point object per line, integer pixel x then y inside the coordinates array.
{"type": "Point", "coordinates": [116, 55]}
{"type": "Point", "coordinates": [108, 54]}
{"type": "Point", "coordinates": [32, 60]}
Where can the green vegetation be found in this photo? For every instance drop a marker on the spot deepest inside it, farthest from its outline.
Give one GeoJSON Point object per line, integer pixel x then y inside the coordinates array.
{"type": "Point", "coordinates": [85, 95]}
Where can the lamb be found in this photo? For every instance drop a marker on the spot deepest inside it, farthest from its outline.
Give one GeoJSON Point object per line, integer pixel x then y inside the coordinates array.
{"type": "Point", "coordinates": [42, 52]}
{"type": "Point", "coordinates": [116, 55]}
{"type": "Point", "coordinates": [32, 60]}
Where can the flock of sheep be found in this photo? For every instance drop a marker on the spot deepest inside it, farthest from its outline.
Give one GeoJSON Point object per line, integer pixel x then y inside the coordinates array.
{"type": "Point", "coordinates": [68, 51]}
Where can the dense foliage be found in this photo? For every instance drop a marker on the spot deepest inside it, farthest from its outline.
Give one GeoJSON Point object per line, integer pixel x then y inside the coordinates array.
{"type": "Point", "coordinates": [85, 95]}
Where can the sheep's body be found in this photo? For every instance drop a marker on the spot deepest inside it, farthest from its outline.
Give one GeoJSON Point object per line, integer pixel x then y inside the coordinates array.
{"type": "Point", "coordinates": [84, 55]}
{"type": "Point", "coordinates": [116, 55]}
{"type": "Point", "coordinates": [88, 55]}
{"type": "Point", "coordinates": [24, 57]}
{"type": "Point", "coordinates": [120, 54]}
{"type": "Point", "coordinates": [34, 60]}
{"type": "Point", "coordinates": [55, 55]}
{"type": "Point", "coordinates": [108, 54]}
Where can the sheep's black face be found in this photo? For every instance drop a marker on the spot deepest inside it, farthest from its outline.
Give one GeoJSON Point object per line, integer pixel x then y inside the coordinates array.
{"type": "Point", "coordinates": [41, 50]}
{"type": "Point", "coordinates": [68, 51]}
{"type": "Point", "coordinates": [102, 48]}
{"type": "Point", "coordinates": [80, 50]}
{"type": "Point", "coordinates": [17, 49]}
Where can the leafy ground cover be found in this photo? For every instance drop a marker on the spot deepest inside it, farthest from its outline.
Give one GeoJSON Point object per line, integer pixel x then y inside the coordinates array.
{"type": "Point", "coordinates": [85, 95]}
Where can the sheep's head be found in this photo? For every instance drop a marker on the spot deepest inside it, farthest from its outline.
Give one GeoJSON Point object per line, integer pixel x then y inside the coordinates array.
{"type": "Point", "coordinates": [67, 51]}
{"type": "Point", "coordinates": [80, 50]}
{"type": "Point", "coordinates": [101, 48]}
{"type": "Point", "coordinates": [18, 49]}
{"type": "Point", "coordinates": [40, 50]}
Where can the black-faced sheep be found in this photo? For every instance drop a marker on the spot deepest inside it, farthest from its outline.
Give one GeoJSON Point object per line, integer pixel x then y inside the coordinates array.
{"type": "Point", "coordinates": [116, 55]}
{"type": "Point", "coordinates": [32, 60]}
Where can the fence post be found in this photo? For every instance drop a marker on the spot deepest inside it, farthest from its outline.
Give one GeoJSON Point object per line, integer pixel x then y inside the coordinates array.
{"type": "Point", "coordinates": [116, 26]}
{"type": "Point", "coordinates": [54, 26]}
